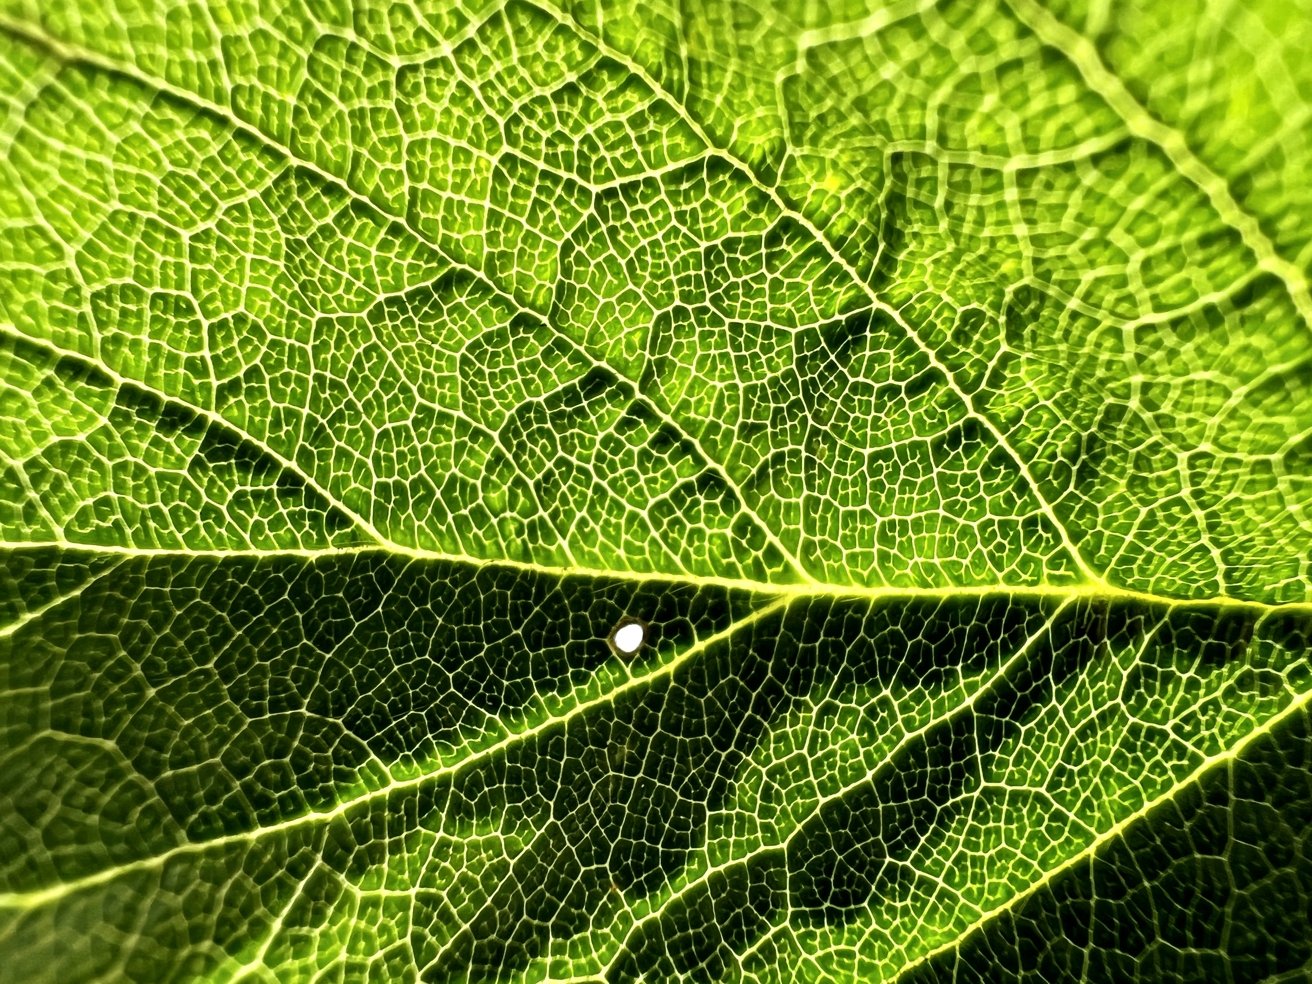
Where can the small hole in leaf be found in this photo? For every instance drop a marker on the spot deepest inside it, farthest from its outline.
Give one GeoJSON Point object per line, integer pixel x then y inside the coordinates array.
{"type": "Point", "coordinates": [629, 636]}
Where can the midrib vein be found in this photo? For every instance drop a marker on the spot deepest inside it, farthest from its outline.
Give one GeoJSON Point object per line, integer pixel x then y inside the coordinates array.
{"type": "Point", "coordinates": [73, 54]}
{"type": "Point", "coordinates": [1091, 591]}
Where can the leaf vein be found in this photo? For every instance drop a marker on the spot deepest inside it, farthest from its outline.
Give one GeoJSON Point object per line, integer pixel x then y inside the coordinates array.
{"type": "Point", "coordinates": [71, 54]}
{"type": "Point", "coordinates": [787, 209]}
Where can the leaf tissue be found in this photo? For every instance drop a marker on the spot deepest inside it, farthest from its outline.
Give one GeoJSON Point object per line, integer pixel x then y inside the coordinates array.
{"type": "Point", "coordinates": [715, 490]}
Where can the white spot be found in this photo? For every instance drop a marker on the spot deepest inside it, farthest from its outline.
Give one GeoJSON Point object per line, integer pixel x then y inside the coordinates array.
{"type": "Point", "coordinates": [628, 638]}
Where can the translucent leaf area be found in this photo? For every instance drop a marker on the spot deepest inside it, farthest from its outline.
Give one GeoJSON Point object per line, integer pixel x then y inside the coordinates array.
{"type": "Point", "coordinates": [636, 492]}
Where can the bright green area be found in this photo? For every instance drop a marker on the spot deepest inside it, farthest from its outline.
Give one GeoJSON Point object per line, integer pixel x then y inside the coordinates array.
{"type": "Point", "coordinates": [933, 380]}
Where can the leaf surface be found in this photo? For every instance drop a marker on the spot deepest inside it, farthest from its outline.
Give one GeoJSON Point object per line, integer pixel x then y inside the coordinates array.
{"type": "Point", "coordinates": [931, 381]}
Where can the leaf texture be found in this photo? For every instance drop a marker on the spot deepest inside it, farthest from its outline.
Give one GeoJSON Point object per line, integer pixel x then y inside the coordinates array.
{"type": "Point", "coordinates": [931, 381]}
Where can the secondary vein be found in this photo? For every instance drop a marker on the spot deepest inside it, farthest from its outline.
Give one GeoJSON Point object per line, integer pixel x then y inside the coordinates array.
{"type": "Point", "coordinates": [74, 54]}
{"type": "Point", "coordinates": [577, 703]}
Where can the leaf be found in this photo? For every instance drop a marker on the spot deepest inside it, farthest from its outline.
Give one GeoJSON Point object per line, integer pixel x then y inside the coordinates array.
{"type": "Point", "coordinates": [928, 380]}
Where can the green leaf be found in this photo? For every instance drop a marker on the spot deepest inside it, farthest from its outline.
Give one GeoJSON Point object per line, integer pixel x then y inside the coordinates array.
{"type": "Point", "coordinates": [929, 381]}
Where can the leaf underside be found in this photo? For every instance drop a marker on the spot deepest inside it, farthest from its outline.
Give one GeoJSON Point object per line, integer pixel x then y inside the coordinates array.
{"type": "Point", "coordinates": [931, 381]}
